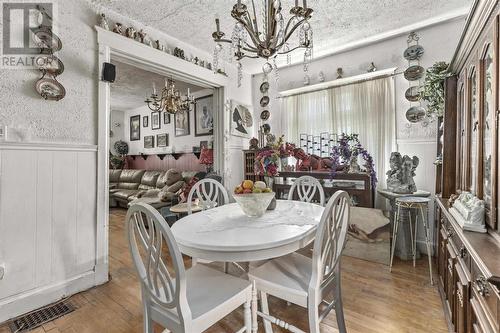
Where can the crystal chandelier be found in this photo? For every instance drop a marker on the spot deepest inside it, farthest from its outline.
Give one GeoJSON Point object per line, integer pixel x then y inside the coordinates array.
{"type": "Point", "coordinates": [265, 36]}
{"type": "Point", "coordinates": [170, 99]}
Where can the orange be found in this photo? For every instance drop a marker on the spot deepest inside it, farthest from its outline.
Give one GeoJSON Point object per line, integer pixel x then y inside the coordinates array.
{"type": "Point", "coordinates": [248, 184]}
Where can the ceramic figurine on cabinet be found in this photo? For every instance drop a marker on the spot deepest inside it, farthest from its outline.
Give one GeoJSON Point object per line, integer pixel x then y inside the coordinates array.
{"type": "Point", "coordinates": [142, 36]}
{"type": "Point", "coordinates": [468, 210]}
{"type": "Point", "coordinates": [103, 22]}
{"type": "Point", "coordinates": [118, 28]}
{"type": "Point", "coordinates": [130, 32]}
{"type": "Point", "coordinates": [340, 73]}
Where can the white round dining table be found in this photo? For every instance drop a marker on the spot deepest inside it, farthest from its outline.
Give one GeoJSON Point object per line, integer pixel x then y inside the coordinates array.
{"type": "Point", "coordinates": [226, 234]}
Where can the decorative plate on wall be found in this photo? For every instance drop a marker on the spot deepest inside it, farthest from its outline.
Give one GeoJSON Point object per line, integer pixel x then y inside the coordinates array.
{"type": "Point", "coordinates": [413, 94]}
{"type": "Point", "coordinates": [264, 87]}
{"type": "Point", "coordinates": [50, 64]}
{"type": "Point", "coordinates": [50, 89]}
{"type": "Point", "coordinates": [46, 40]}
{"type": "Point", "coordinates": [264, 115]}
{"type": "Point", "coordinates": [414, 52]}
{"type": "Point", "coordinates": [414, 73]}
{"type": "Point", "coordinates": [415, 114]}
{"type": "Point", "coordinates": [266, 128]}
{"type": "Point", "coordinates": [264, 101]}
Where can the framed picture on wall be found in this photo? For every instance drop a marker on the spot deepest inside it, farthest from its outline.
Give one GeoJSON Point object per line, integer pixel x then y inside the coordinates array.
{"type": "Point", "coordinates": [162, 140]}
{"type": "Point", "coordinates": [155, 120]}
{"type": "Point", "coordinates": [166, 118]}
{"type": "Point", "coordinates": [149, 141]}
{"type": "Point", "coordinates": [241, 120]}
{"type": "Point", "coordinates": [145, 121]}
{"type": "Point", "coordinates": [204, 116]}
{"type": "Point", "coordinates": [181, 123]}
{"type": "Point", "coordinates": [135, 128]}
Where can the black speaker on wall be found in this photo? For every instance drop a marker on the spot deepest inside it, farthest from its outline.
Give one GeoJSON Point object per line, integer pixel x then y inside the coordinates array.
{"type": "Point", "coordinates": [109, 72]}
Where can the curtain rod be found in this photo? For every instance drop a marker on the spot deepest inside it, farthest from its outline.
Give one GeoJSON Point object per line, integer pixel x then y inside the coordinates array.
{"type": "Point", "coordinates": [338, 83]}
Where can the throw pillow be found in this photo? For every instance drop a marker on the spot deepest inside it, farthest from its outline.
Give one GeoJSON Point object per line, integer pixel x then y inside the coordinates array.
{"type": "Point", "coordinates": [173, 176]}
{"type": "Point", "coordinates": [187, 188]}
{"type": "Point", "coordinates": [166, 196]}
{"type": "Point", "coordinates": [174, 188]}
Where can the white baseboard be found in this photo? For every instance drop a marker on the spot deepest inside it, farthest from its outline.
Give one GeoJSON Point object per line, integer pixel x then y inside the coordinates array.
{"type": "Point", "coordinates": [19, 304]}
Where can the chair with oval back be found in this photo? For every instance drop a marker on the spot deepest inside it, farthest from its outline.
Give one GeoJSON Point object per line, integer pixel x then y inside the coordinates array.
{"type": "Point", "coordinates": [209, 192]}
{"type": "Point", "coordinates": [306, 188]}
{"type": "Point", "coordinates": [307, 281]}
{"type": "Point", "coordinates": [178, 299]}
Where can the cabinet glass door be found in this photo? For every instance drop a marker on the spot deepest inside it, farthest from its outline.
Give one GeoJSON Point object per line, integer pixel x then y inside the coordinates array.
{"type": "Point", "coordinates": [462, 140]}
{"type": "Point", "coordinates": [473, 132]}
{"type": "Point", "coordinates": [487, 126]}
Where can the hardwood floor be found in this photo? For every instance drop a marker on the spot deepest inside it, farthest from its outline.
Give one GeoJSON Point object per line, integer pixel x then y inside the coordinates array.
{"type": "Point", "coordinates": [374, 299]}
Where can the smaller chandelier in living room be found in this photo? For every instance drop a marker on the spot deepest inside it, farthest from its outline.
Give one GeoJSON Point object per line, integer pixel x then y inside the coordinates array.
{"type": "Point", "coordinates": [265, 35]}
{"type": "Point", "coordinates": [169, 100]}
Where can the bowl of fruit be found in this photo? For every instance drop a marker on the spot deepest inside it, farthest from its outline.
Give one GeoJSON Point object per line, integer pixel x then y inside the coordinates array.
{"type": "Point", "coordinates": [253, 198]}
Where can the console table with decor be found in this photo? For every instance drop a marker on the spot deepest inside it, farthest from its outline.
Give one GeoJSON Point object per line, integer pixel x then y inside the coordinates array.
{"type": "Point", "coordinates": [357, 185]}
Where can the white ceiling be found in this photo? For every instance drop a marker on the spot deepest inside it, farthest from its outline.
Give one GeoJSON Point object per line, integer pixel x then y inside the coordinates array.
{"type": "Point", "coordinates": [335, 23]}
{"type": "Point", "coordinates": [133, 84]}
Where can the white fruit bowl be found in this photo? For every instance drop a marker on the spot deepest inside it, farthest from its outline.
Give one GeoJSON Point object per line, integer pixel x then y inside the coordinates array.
{"type": "Point", "coordinates": [254, 204]}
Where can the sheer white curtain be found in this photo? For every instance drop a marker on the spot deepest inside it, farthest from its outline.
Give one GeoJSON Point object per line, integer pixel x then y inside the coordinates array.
{"type": "Point", "coordinates": [366, 108]}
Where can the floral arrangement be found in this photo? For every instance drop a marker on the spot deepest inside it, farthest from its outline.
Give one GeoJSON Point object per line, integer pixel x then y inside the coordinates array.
{"type": "Point", "coordinates": [433, 89]}
{"type": "Point", "coordinates": [266, 163]}
{"type": "Point", "coordinates": [284, 149]}
{"type": "Point", "coordinates": [348, 148]}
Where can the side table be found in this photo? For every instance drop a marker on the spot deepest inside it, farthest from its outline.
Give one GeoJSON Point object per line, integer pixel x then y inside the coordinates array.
{"type": "Point", "coordinates": [403, 246]}
{"type": "Point", "coordinates": [182, 209]}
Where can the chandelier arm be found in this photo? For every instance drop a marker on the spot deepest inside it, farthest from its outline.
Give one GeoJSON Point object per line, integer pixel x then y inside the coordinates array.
{"type": "Point", "coordinates": [255, 25]}
{"type": "Point", "coordinates": [254, 38]}
{"type": "Point", "coordinates": [223, 40]}
{"type": "Point", "coordinates": [249, 48]}
{"type": "Point", "coordinates": [290, 50]}
{"type": "Point", "coordinates": [289, 34]}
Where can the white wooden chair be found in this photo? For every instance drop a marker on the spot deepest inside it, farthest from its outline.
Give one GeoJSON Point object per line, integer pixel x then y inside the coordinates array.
{"type": "Point", "coordinates": [209, 192]}
{"type": "Point", "coordinates": [180, 300]}
{"type": "Point", "coordinates": [307, 281]}
{"type": "Point", "coordinates": [306, 188]}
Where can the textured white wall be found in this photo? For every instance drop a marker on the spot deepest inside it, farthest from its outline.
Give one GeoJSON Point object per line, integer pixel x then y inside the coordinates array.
{"type": "Point", "coordinates": [73, 119]}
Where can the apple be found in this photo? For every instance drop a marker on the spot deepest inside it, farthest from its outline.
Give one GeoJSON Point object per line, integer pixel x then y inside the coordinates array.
{"type": "Point", "coordinates": [247, 191]}
{"type": "Point", "coordinates": [238, 190]}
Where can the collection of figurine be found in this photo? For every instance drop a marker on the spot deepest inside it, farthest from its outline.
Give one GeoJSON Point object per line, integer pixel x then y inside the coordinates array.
{"type": "Point", "coordinates": [141, 37]}
{"type": "Point", "coordinates": [400, 176]}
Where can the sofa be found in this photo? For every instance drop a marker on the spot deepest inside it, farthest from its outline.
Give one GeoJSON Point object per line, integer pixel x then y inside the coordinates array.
{"type": "Point", "coordinates": [157, 188]}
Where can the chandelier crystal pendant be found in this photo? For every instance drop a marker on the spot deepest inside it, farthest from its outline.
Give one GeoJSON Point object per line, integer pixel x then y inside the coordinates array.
{"type": "Point", "coordinates": [170, 99]}
{"type": "Point", "coordinates": [265, 36]}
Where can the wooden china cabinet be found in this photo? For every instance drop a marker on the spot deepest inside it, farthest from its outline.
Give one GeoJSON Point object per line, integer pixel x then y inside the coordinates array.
{"type": "Point", "coordinates": [468, 263]}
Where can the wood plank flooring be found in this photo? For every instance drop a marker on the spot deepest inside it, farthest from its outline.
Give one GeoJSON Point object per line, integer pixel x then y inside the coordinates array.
{"type": "Point", "coordinates": [375, 301]}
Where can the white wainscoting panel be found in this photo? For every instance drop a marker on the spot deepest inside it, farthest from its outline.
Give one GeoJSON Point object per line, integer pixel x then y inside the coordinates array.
{"type": "Point", "coordinates": [48, 200]}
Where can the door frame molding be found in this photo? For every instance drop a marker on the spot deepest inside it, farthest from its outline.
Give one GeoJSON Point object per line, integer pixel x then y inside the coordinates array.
{"type": "Point", "coordinates": [123, 49]}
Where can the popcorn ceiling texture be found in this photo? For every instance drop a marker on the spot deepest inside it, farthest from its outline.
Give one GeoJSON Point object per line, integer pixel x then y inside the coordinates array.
{"type": "Point", "coordinates": [74, 118]}
{"type": "Point", "coordinates": [334, 22]}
